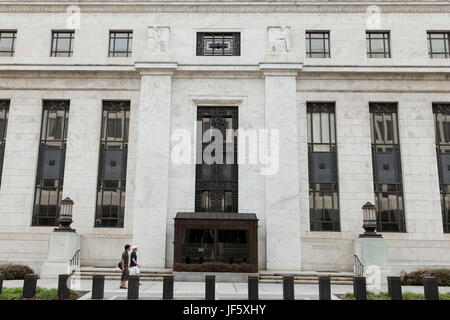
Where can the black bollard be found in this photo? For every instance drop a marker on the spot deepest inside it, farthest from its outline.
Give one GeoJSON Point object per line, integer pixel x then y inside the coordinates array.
{"type": "Point", "coordinates": [359, 288]}
{"type": "Point", "coordinates": [210, 287]}
{"type": "Point", "coordinates": [29, 286]}
{"type": "Point", "coordinates": [288, 288]}
{"type": "Point", "coordinates": [168, 288]}
{"type": "Point", "coordinates": [1, 284]}
{"type": "Point", "coordinates": [63, 286]}
{"type": "Point", "coordinates": [133, 288]}
{"type": "Point", "coordinates": [98, 286]}
{"type": "Point", "coordinates": [324, 288]}
{"type": "Point", "coordinates": [430, 287]}
{"type": "Point", "coordinates": [395, 288]}
{"type": "Point", "coordinates": [253, 288]}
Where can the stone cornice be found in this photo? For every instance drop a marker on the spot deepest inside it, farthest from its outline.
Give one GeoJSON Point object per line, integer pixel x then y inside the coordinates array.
{"type": "Point", "coordinates": [172, 67]}
{"type": "Point", "coordinates": [174, 6]}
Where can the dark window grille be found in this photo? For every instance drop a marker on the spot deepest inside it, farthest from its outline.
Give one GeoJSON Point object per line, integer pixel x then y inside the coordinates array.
{"type": "Point", "coordinates": [387, 171]}
{"type": "Point", "coordinates": [62, 43]}
{"type": "Point", "coordinates": [317, 44]}
{"type": "Point", "coordinates": [438, 44]}
{"type": "Point", "coordinates": [7, 43]}
{"type": "Point", "coordinates": [51, 159]}
{"type": "Point", "coordinates": [323, 178]}
{"type": "Point", "coordinates": [442, 126]}
{"type": "Point", "coordinates": [112, 173]}
{"type": "Point", "coordinates": [4, 109]}
{"type": "Point", "coordinates": [218, 44]}
{"type": "Point", "coordinates": [378, 44]}
{"type": "Point", "coordinates": [120, 43]}
{"type": "Point", "coordinates": [216, 187]}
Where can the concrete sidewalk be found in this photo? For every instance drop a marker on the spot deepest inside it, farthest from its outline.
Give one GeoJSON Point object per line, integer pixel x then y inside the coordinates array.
{"type": "Point", "coordinates": [196, 290]}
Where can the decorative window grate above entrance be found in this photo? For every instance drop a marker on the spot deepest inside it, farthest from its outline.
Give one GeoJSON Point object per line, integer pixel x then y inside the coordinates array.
{"type": "Point", "coordinates": [218, 44]}
{"type": "Point", "coordinates": [216, 186]}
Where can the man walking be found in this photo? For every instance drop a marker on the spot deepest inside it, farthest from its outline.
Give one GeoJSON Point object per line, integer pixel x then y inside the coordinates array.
{"type": "Point", "coordinates": [124, 267]}
{"type": "Point", "coordinates": [134, 266]}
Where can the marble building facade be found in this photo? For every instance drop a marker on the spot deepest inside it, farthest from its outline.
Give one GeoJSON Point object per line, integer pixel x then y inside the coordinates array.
{"type": "Point", "coordinates": [271, 82]}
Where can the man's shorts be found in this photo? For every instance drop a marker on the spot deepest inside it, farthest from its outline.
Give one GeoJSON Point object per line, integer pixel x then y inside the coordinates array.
{"type": "Point", "coordinates": [125, 275]}
{"type": "Point", "coordinates": [134, 271]}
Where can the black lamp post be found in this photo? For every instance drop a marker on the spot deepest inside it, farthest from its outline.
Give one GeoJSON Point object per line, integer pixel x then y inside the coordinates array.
{"type": "Point", "coordinates": [369, 221]}
{"type": "Point", "coordinates": [65, 217]}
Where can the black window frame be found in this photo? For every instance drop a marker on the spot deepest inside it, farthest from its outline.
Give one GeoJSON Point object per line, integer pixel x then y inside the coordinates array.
{"type": "Point", "coordinates": [386, 37]}
{"type": "Point", "coordinates": [323, 219]}
{"type": "Point", "coordinates": [58, 35]}
{"type": "Point", "coordinates": [392, 219]}
{"type": "Point", "coordinates": [112, 215]}
{"type": "Point", "coordinates": [326, 44]}
{"type": "Point", "coordinates": [445, 39]}
{"type": "Point", "coordinates": [202, 41]}
{"type": "Point", "coordinates": [12, 51]}
{"type": "Point", "coordinates": [443, 148]}
{"type": "Point", "coordinates": [220, 188]}
{"type": "Point", "coordinates": [4, 113]}
{"type": "Point", "coordinates": [112, 52]}
{"type": "Point", "coordinates": [43, 185]}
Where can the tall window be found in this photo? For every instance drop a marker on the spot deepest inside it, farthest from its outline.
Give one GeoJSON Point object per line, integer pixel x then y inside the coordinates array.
{"type": "Point", "coordinates": [218, 44]}
{"type": "Point", "coordinates": [7, 43]}
{"type": "Point", "coordinates": [317, 44]}
{"type": "Point", "coordinates": [442, 125]}
{"type": "Point", "coordinates": [4, 108]}
{"type": "Point", "coordinates": [120, 43]}
{"type": "Point", "coordinates": [378, 44]}
{"type": "Point", "coordinates": [62, 43]}
{"type": "Point", "coordinates": [216, 187]}
{"type": "Point", "coordinates": [387, 171]}
{"type": "Point", "coordinates": [323, 179]}
{"type": "Point", "coordinates": [112, 173]}
{"type": "Point", "coordinates": [438, 44]}
{"type": "Point", "coordinates": [50, 171]}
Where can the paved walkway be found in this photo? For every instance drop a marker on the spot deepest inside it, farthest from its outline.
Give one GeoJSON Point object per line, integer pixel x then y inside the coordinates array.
{"type": "Point", "coordinates": [196, 290]}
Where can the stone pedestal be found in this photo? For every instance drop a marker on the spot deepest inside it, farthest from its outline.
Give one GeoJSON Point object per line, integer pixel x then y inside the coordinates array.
{"type": "Point", "coordinates": [282, 184]}
{"type": "Point", "coordinates": [372, 252]}
{"type": "Point", "coordinates": [152, 163]}
{"type": "Point", "coordinates": [61, 249]}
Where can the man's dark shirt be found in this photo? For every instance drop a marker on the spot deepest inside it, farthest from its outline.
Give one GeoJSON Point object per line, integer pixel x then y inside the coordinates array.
{"type": "Point", "coordinates": [125, 259]}
{"type": "Point", "coordinates": [133, 255]}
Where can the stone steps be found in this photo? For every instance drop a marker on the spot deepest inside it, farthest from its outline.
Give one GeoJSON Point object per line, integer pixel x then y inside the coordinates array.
{"type": "Point", "coordinates": [300, 277]}
{"type": "Point", "coordinates": [86, 273]}
{"type": "Point", "coordinates": [306, 277]}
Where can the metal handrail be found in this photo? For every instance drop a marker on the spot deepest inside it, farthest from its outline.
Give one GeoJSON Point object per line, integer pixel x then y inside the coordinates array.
{"type": "Point", "coordinates": [74, 261]}
{"type": "Point", "coordinates": [358, 266]}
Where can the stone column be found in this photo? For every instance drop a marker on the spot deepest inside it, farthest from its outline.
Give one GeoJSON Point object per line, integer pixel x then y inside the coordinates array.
{"type": "Point", "coordinates": [152, 163]}
{"type": "Point", "coordinates": [283, 186]}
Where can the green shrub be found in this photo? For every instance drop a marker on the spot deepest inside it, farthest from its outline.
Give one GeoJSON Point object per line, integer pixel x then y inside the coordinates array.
{"type": "Point", "coordinates": [415, 278]}
{"type": "Point", "coordinates": [14, 271]}
{"type": "Point", "coordinates": [215, 267]}
{"type": "Point", "coordinates": [41, 294]}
